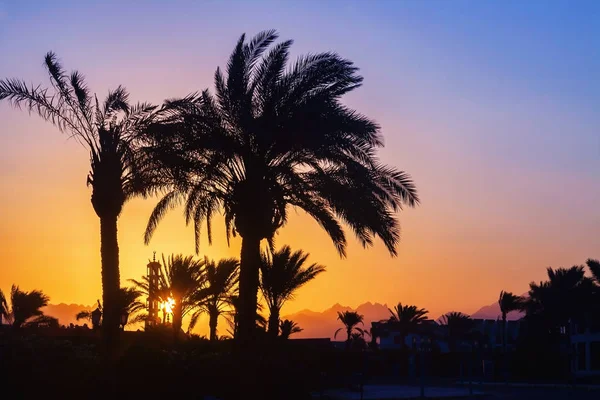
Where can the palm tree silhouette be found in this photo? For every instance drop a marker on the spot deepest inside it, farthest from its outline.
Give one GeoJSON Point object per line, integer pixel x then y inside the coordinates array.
{"type": "Point", "coordinates": [287, 328]}
{"type": "Point", "coordinates": [282, 274]}
{"type": "Point", "coordinates": [181, 278]}
{"type": "Point", "coordinates": [108, 132]}
{"type": "Point", "coordinates": [350, 319]}
{"type": "Point", "coordinates": [272, 137]}
{"type": "Point", "coordinates": [459, 326]}
{"type": "Point", "coordinates": [406, 319]}
{"type": "Point", "coordinates": [508, 302]}
{"type": "Point", "coordinates": [221, 277]}
{"type": "Point", "coordinates": [564, 297]}
{"type": "Point", "coordinates": [25, 308]}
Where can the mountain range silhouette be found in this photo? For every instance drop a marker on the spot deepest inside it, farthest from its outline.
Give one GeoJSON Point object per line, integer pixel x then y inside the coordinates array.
{"type": "Point", "coordinates": [315, 324]}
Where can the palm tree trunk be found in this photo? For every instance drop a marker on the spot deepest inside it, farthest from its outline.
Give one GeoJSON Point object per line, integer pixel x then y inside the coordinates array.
{"type": "Point", "coordinates": [248, 286]}
{"type": "Point", "coordinates": [274, 322]}
{"type": "Point", "coordinates": [109, 252]}
{"type": "Point", "coordinates": [213, 317]}
{"type": "Point", "coordinates": [504, 332]}
{"type": "Point", "coordinates": [177, 317]}
{"type": "Point", "coordinates": [349, 337]}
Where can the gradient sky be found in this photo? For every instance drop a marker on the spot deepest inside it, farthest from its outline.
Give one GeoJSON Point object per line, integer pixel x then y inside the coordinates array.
{"type": "Point", "coordinates": [493, 107]}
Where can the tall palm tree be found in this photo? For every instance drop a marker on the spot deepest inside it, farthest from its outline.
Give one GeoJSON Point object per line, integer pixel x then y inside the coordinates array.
{"type": "Point", "coordinates": [351, 320]}
{"type": "Point", "coordinates": [275, 136]}
{"type": "Point", "coordinates": [406, 319]}
{"type": "Point", "coordinates": [287, 328]}
{"type": "Point", "coordinates": [25, 308]}
{"type": "Point", "coordinates": [181, 278]}
{"type": "Point", "coordinates": [508, 302]}
{"type": "Point", "coordinates": [221, 278]}
{"type": "Point", "coordinates": [282, 274]}
{"type": "Point", "coordinates": [458, 325]}
{"type": "Point", "coordinates": [108, 132]}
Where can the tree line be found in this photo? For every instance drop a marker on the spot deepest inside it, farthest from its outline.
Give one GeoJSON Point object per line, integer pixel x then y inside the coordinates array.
{"type": "Point", "coordinates": [567, 298]}
{"type": "Point", "coordinates": [197, 286]}
{"type": "Point", "coordinates": [271, 136]}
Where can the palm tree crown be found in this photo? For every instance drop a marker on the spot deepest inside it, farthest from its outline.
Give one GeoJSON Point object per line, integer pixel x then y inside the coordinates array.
{"type": "Point", "coordinates": [565, 296]}
{"type": "Point", "coordinates": [406, 318]}
{"type": "Point", "coordinates": [287, 328]}
{"type": "Point", "coordinates": [108, 132]}
{"type": "Point", "coordinates": [25, 308]}
{"type": "Point", "coordinates": [459, 327]}
{"type": "Point", "coordinates": [221, 279]}
{"type": "Point", "coordinates": [281, 275]}
{"type": "Point", "coordinates": [408, 314]}
{"type": "Point", "coordinates": [509, 302]}
{"type": "Point", "coordinates": [181, 278]}
{"type": "Point", "coordinates": [271, 137]}
{"type": "Point", "coordinates": [350, 319]}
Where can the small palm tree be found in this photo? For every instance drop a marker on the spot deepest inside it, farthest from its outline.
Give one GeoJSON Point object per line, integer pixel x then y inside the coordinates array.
{"type": "Point", "coordinates": [508, 302]}
{"type": "Point", "coordinates": [25, 308]}
{"type": "Point", "coordinates": [281, 276]}
{"type": "Point", "coordinates": [350, 319]}
{"type": "Point", "coordinates": [108, 132]}
{"type": "Point", "coordinates": [260, 322]}
{"type": "Point", "coordinates": [221, 279]}
{"type": "Point", "coordinates": [406, 319]}
{"type": "Point", "coordinates": [181, 278]}
{"type": "Point", "coordinates": [458, 326]}
{"type": "Point", "coordinates": [287, 328]}
{"type": "Point", "coordinates": [275, 136]}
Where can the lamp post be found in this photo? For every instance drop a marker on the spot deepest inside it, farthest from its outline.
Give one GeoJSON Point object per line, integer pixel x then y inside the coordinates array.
{"type": "Point", "coordinates": [124, 318]}
{"type": "Point", "coordinates": [96, 315]}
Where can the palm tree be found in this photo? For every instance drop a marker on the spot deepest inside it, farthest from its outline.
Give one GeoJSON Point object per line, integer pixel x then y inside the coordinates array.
{"type": "Point", "coordinates": [108, 132]}
{"type": "Point", "coordinates": [508, 302]}
{"type": "Point", "coordinates": [181, 278]}
{"type": "Point", "coordinates": [406, 319]}
{"type": "Point", "coordinates": [221, 277]}
{"type": "Point", "coordinates": [458, 326]}
{"type": "Point", "coordinates": [350, 319]}
{"type": "Point", "coordinates": [25, 308]}
{"type": "Point", "coordinates": [272, 137]}
{"type": "Point", "coordinates": [288, 328]}
{"type": "Point", "coordinates": [558, 300]}
{"type": "Point", "coordinates": [281, 276]}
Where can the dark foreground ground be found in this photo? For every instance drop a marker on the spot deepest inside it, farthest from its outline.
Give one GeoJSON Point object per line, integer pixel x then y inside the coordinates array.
{"type": "Point", "coordinates": [521, 393]}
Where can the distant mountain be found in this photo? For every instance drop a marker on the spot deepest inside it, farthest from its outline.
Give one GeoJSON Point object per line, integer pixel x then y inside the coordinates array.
{"type": "Point", "coordinates": [493, 312]}
{"type": "Point", "coordinates": [66, 312]}
{"type": "Point", "coordinates": [324, 324]}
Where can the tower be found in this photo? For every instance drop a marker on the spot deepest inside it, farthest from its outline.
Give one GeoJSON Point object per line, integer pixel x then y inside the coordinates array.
{"type": "Point", "coordinates": [153, 273]}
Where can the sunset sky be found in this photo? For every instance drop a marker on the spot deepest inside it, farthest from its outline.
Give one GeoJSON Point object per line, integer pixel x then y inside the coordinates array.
{"type": "Point", "coordinates": [492, 107]}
